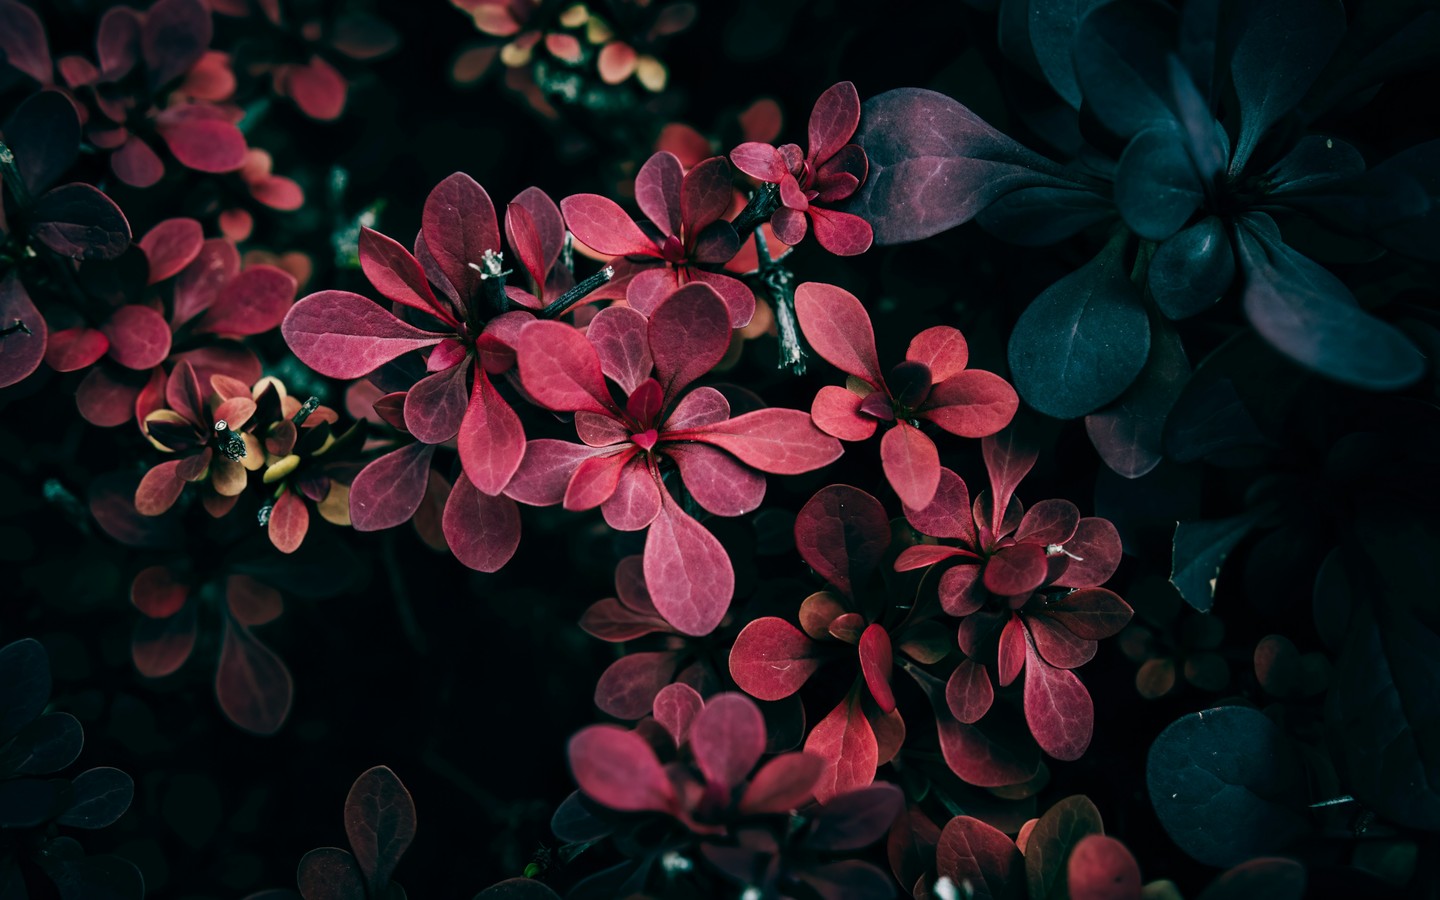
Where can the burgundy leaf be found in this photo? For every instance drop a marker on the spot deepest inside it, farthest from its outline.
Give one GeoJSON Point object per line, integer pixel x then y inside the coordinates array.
{"type": "Point", "coordinates": [1101, 868]}
{"type": "Point", "coordinates": [199, 285]}
{"type": "Point", "coordinates": [600, 224]}
{"type": "Point", "coordinates": [397, 274]}
{"type": "Point", "coordinates": [1008, 460]}
{"type": "Point", "coordinates": [1057, 645]}
{"type": "Point", "coordinates": [842, 532]}
{"type": "Point", "coordinates": [435, 406]}
{"type": "Point", "coordinates": [560, 369]}
{"type": "Point", "coordinates": [971, 404]}
{"type": "Point", "coordinates": [72, 349]}
{"type": "Point", "coordinates": [617, 768]}
{"type": "Point", "coordinates": [778, 441]}
{"type": "Point", "coordinates": [876, 662]}
{"type": "Point", "coordinates": [596, 479]}
{"type": "Point", "coordinates": [159, 489]}
{"type": "Point", "coordinates": [842, 233]}
{"type": "Point", "coordinates": [702, 406]}
{"type": "Point", "coordinates": [619, 335]}
{"type": "Point", "coordinates": [942, 349]}
{"type": "Point", "coordinates": [251, 683]}
{"type": "Point", "coordinates": [720, 483]}
{"type": "Point", "coordinates": [171, 246]}
{"type": "Point", "coordinates": [613, 621]}
{"type": "Point", "coordinates": [657, 191]}
{"type": "Point", "coordinates": [318, 89]}
{"type": "Point", "coordinates": [760, 161]}
{"type": "Point", "coordinates": [22, 349]}
{"type": "Point", "coordinates": [388, 491]}
{"type": "Point", "coordinates": [482, 530]}
{"type": "Point", "coordinates": [1090, 613]}
{"type": "Point", "coordinates": [846, 742]}
{"type": "Point", "coordinates": [833, 120]}
{"type": "Point", "coordinates": [974, 853]}
{"type": "Point", "coordinates": [546, 470]}
{"type": "Point", "coordinates": [705, 194]}
{"type": "Point", "coordinates": [838, 328]}
{"type": "Point", "coordinates": [43, 133]}
{"type": "Point", "coordinates": [981, 760]}
{"type": "Point", "coordinates": [727, 738]}
{"type": "Point", "coordinates": [1010, 653]}
{"type": "Point", "coordinates": [629, 687]}
{"type": "Point", "coordinates": [1057, 708]}
{"type": "Point", "coordinates": [380, 823]}
{"type": "Point", "coordinates": [911, 463]}
{"type": "Point", "coordinates": [137, 164]}
{"type": "Point", "coordinates": [139, 337]}
{"type": "Point", "coordinates": [253, 302]}
{"type": "Point", "coordinates": [969, 693]}
{"type": "Point", "coordinates": [1016, 570]}
{"type": "Point", "coordinates": [548, 225]}
{"type": "Point", "coordinates": [492, 440]}
{"type": "Point", "coordinates": [458, 224]}
{"type": "Point", "coordinates": [289, 520]}
{"type": "Point", "coordinates": [688, 334]}
{"type": "Point", "coordinates": [848, 879]}
{"type": "Point", "coordinates": [344, 335]}
{"type": "Point", "coordinates": [1048, 522]}
{"type": "Point", "coordinates": [636, 499]}
{"type": "Point", "coordinates": [78, 221]}
{"type": "Point", "coordinates": [329, 873]}
{"type": "Point", "coordinates": [782, 785]}
{"type": "Point", "coordinates": [675, 707]}
{"type": "Point", "coordinates": [958, 590]}
{"type": "Point", "coordinates": [1094, 552]}
{"type": "Point", "coordinates": [687, 571]}
{"type": "Point", "coordinates": [175, 34]}
{"type": "Point", "coordinates": [948, 514]}
{"type": "Point", "coordinates": [202, 143]}
{"type": "Point", "coordinates": [772, 659]}
{"type": "Point", "coordinates": [23, 40]}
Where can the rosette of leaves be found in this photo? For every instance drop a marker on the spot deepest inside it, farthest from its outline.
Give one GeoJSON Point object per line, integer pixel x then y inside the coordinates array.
{"type": "Point", "coordinates": [702, 802]}
{"type": "Point", "coordinates": [1201, 118]}
{"type": "Point", "coordinates": [652, 422]}
{"type": "Point", "coordinates": [36, 811]}
{"type": "Point", "coordinates": [1025, 585]}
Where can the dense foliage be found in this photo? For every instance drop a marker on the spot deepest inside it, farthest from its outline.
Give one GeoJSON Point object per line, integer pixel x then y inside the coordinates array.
{"type": "Point", "coordinates": [726, 513]}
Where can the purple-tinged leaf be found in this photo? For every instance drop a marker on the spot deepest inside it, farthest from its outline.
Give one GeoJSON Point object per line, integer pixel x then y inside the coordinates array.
{"type": "Point", "coordinates": [637, 497]}
{"type": "Point", "coordinates": [782, 785]}
{"type": "Point", "coordinates": [629, 687]}
{"type": "Point", "coordinates": [688, 335]}
{"type": "Point", "coordinates": [600, 224]}
{"type": "Point", "coordinates": [329, 873]}
{"type": "Point", "coordinates": [838, 328]}
{"type": "Point", "coordinates": [705, 195]}
{"type": "Point", "coordinates": [1057, 645]}
{"type": "Point", "coordinates": [969, 693]}
{"type": "Point", "coordinates": [560, 369]}
{"type": "Point", "coordinates": [876, 663]}
{"type": "Point", "coordinates": [43, 131]}
{"type": "Point", "coordinates": [546, 470]}
{"type": "Point", "coordinates": [689, 575]}
{"type": "Point", "coordinates": [22, 350]}
{"type": "Point", "coordinates": [251, 683]}
{"type": "Point", "coordinates": [777, 441]}
{"type": "Point", "coordinates": [1090, 613]}
{"type": "Point", "coordinates": [171, 246]}
{"type": "Point", "coordinates": [202, 142]}
{"type": "Point", "coordinates": [159, 647]}
{"type": "Point", "coordinates": [78, 221]}
{"type": "Point", "coordinates": [24, 42]}
{"type": "Point", "coordinates": [842, 532]}
{"type": "Point", "coordinates": [492, 440]}
{"type": "Point", "coordinates": [848, 879]}
{"type": "Point", "coordinates": [853, 820]}
{"type": "Point", "coordinates": [1129, 434]}
{"type": "Point", "coordinates": [833, 121]}
{"type": "Point", "coordinates": [175, 34]}
{"type": "Point", "coordinates": [675, 708]}
{"type": "Point", "coordinates": [619, 335]}
{"type": "Point", "coordinates": [1051, 841]}
{"type": "Point", "coordinates": [837, 412]}
{"type": "Point", "coordinates": [397, 274]}
{"type": "Point", "coordinates": [1016, 570]}
{"type": "Point", "coordinates": [974, 853]}
{"type": "Point", "coordinates": [1058, 709]}
{"type": "Point", "coordinates": [482, 530]}
{"type": "Point", "coordinates": [435, 406]}
{"type": "Point", "coordinates": [459, 226]}
{"type": "Point", "coordinates": [911, 464]}
{"type": "Point", "coordinates": [253, 302]}
{"type": "Point", "coordinates": [841, 233]}
{"type": "Point", "coordinates": [720, 483]}
{"type": "Point", "coordinates": [139, 337]}
{"type": "Point", "coordinates": [344, 335]}
{"type": "Point", "coordinates": [727, 738]}
{"type": "Point", "coordinates": [388, 491]}
{"type": "Point", "coordinates": [657, 191]}
{"type": "Point", "coordinates": [380, 823]}
{"type": "Point", "coordinates": [772, 659]}
{"type": "Point", "coordinates": [617, 768]}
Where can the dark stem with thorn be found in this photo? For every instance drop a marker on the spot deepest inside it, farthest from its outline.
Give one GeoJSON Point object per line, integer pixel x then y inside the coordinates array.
{"type": "Point", "coordinates": [579, 292]}
{"type": "Point", "coordinates": [18, 326]}
{"type": "Point", "coordinates": [779, 283]}
{"type": "Point", "coordinates": [761, 207]}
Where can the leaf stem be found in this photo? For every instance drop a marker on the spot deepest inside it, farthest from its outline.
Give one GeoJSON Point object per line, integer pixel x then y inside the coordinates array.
{"type": "Point", "coordinates": [779, 284]}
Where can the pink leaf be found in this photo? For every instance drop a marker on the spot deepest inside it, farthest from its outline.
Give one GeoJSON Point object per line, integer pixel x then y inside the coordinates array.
{"type": "Point", "coordinates": [1008, 459]}
{"type": "Point", "coordinates": [458, 225]}
{"type": "Point", "coordinates": [1090, 613]}
{"type": "Point", "coordinates": [546, 470]}
{"type": "Point", "coordinates": [842, 532]}
{"type": "Point", "coordinates": [1057, 708]}
{"type": "Point", "coordinates": [388, 491]}
{"type": "Point", "coordinates": [705, 194]}
{"type": "Point", "coordinates": [836, 411]}
{"type": "Point", "coordinates": [251, 683]}
{"type": "Point", "coordinates": [841, 233]}
{"type": "Point", "coordinates": [561, 370]}
{"type": "Point", "coordinates": [629, 687]}
{"type": "Point", "coordinates": [838, 328]}
{"type": "Point", "coordinates": [549, 225]}
{"type": "Point", "coordinates": [637, 497]}
{"type": "Point", "coordinates": [397, 274]}
{"type": "Point", "coordinates": [137, 164]}
{"type": "Point", "coordinates": [199, 285]}
{"type": "Point", "coordinates": [675, 707]}
{"type": "Point", "coordinates": [1048, 522]}
{"type": "Point", "coordinates": [22, 350]}
{"type": "Point", "coordinates": [720, 483]}
{"type": "Point", "coordinates": [171, 246]}
{"type": "Point", "coordinates": [1016, 570]}
{"type": "Point", "coordinates": [657, 192]}
{"type": "Point", "coordinates": [982, 761]}
{"type": "Point", "coordinates": [619, 335]}
{"type": "Point", "coordinates": [617, 768]}
{"type": "Point", "coordinates": [697, 409]}
{"type": "Point", "coordinates": [344, 335]}
{"type": "Point", "coordinates": [833, 121]}
{"type": "Point", "coordinates": [969, 693]}
{"type": "Point", "coordinates": [24, 42]}
{"type": "Point", "coordinates": [971, 404]}
{"type": "Point", "coordinates": [876, 662]}
{"type": "Point", "coordinates": [974, 853]}
{"type": "Point", "coordinates": [203, 144]}
{"type": "Point", "coordinates": [289, 520]}
{"type": "Point", "coordinates": [942, 349]}
{"type": "Point", "coordinates": [738, 298]}
{"type": "Point", "coordinates": [613, 621]}
{"type": "Point", "coordinates": [436, 405]}
{"type": "Point", "coordinates": [911, 463]}
{"type": "Point", "coordinates": [1101, 868]}
{"type": "Point", "coordinates": [727, 738]}
{"type": "Point", "coordinates": [1010, 655]}
{"type": "Point", "coordinates": [845, 740]}
{"type": "Point", "coordinates": [253, 302]}
{"type": "Point", "coordinates": [492, 440]}
{"type": "Point", "coordinates": [380, 823]}
{"type": "Point", "coordinates": [778, 441]}
{"type": "Point", "coordinates": [772, 659]}
{"type": "Point", "coordinates": [524, 241]}
{"type": "Point", "coordinates": [597, 477]}
{"type": "Point", "coordinates": [687, 571]}
{"type": "Point", "coordinates": [688, 334]}
{"type": "Point", "coordinates": [948, 514]}
{"type": "Point", "coordinates": [1057, 645]}
{"type": "Point", "coordinates": [139, 337]}
{"type": "Point", "coordinates": [70, 350]}
{"type": "Point", "coordinates": [482, 530]}
{"type": "Point", "coordinates": [760, 161]}
{"type": "Point", "coordinates": [616, 62]}
{"type": "Point", "coordinates": [1097, 545]}
{"type": "Point", "coordinates": [783, 784]}
{"type": "Point", "coordinates": [317, 88]}
{"type": "Point", "coordinates": [600, 224]}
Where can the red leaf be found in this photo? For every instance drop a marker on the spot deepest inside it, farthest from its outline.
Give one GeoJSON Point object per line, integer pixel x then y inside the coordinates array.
{"type": "Point", "coordinates": [436, 405]}
{"type": "Point", "coordinates": [783, 784]}
{"type": "Point", "coordinates": [388, 491]}
{"type": "Point", "coordinates": [833, 121]}
{"type": "Point", "coordinates": [161, 646]}
{"type": "Point", "coordinates": [253, 302]}
{"type": "Point", "coordinates": [203, 144]}
{"type": "Point", "coordinates": [159, 489]}
{"type": "Point", "coordinates": [613, 621]}
{"type": "Point", "coordinates": [688, 335]}
{"type": "Point", "coordinates": [911, 463]}
{"type": "Point", "coordinates": [289, 520]}
{"type": "Point", "coordinates": [636, 499]}
{"type": "Point", "coordinates": [596, 479]}
{"type": "Point", "coordinates": [616, 62]}
{"type": "Point", "coordinates": [158, 592]}
{"type": "Point", "coordinates": [697, 409]}
{"type": "Point", "coordinates": [380, 823]}
{"type": "Point", "coordinates": [344, 335]}
{"type": "Point", "coordinates": [948, 515]}
{"type": "Point", "coordinates": [727, 738]}
{"type": "Point", "coordinates": [843, 234]}
{"type": "Point", "coordinates": [171, 246]}
{"type": "Point", "coordinates": [675, 707]}
{"type": "Point", "coordinates": [22, 350]}
{"type": "Point", "coordinates": [876, 662]}
{"type": "Point", "coordinates": [720, 483]}
{"type": "Point", "coordinates": [972, 852]}
{"type": "Point", "coordinates": [628, 688]}
{"type": "Point", "coordinates": [705, 195]}
{"type": "Point", "coordinates": [173, 37]}
{"type": "Point", "coordinates": [70, 350]}
{"type": "Point", "coordinates": [251, 683]}
{"type": "Point", "coordinates": [920, 556]}
{"type": "Point", "coordinates": [845, 740]}
{"type": "Point", "coordinates": [546, 470]}
{"type": "Point", "coordinates": [548, 224]}
{"type": "Point", "coordinates": [317, 88]}
{"type": "Point", "coordinates": [23, 39]}
{"type": "Point", "coordinates": [561, 370]}
{"type": "Point", "coordinates": [738, 298]}
{"type": "Point", "coordinates": [199, 285]}
{"type": "Point", "coordinates": [397, 274]}
{"type": "Point", "coordinates": [619, 335]}
{"type": "Point", "coordinates": [911, 846]}
{"type": "Point", "coordinates": [1091, 613]}
{"type": "Point", "coordinates": [1057, 645]}
{"type": "Point", "coordinates": [981, 760]}
{"type": "Point", "coordinates": [139, 337]}
{"type": "Point", "coordinates": [482, 531]}
{"type": "Point", "coordinates": [969, 693]}
{"type": "Point", "coordinates": [687, 571]}
{"type": "Point", "coordinates": [772, 659]}
{"type": "Point", "coordinates": [836, 412]}
{"type": "Point", "coordinates": [760, 161]}
{"type": "Point", "coordinates": [1057, 708]}
{"type": "Point", "coordinates": [838, 328]}
{"type": "Point", "coordinates": [942, 349]}
{"type": "Point", "coordinates": [778, 441]}
{"type": "Point", "coordinates": [459, 225]}
{"type": "Point", "coordinates": [137, 164]}
{"type": "Point", "coordinates": [600, 224]}
{"type": "Point", "coordinates": [492, 440]}
{"type": "Point", "coordinates": [1016, 570]}
{"type": "Point", "coordinates": [1097, 545]}
{"type": "Point", "coordinates": [1048, 522]}
{"type": "Point", "coordinates": [971, 404]}
{"type": "Point", "coordinates": [1008, 459]}
{"type": "Point", "coordinates": [657, 191]}
{"type": "Point", "coordinates": [842, 532]}
{"type": "Point", "coordinates": [617, 768]}
{"type": "Point", "coordinates": [1101, 868]}
{"type": "Point", "coordinates": [1011, 651]}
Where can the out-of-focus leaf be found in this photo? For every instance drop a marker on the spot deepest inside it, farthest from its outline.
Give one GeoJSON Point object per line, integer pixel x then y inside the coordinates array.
{"type": "Point", "coordinates": [1200, 549]}
{"type": "Point", "coordinates": [1047, 849]}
